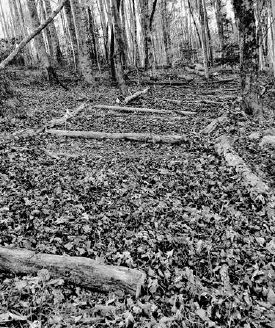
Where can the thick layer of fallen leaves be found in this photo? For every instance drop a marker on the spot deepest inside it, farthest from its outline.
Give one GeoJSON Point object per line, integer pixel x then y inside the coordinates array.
{"type": "Point", "coordinates": [176, 212]}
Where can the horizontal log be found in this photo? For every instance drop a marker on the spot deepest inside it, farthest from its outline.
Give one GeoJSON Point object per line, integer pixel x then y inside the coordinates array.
{"type": "Point", "coordinates": [143, 110]}
{"type": "Point", "coordinates": [132, 109]}
{"type": "Point", "coordinates": [78, 270]}
{"type": "Point", "coordinates": [142, 137]}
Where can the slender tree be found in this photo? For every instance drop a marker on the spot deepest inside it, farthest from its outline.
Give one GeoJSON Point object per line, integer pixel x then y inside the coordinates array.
{"type": "Point", "coordinates": [57, 54]}
{"type": "Point", "coordinates": [80, 20]}
{"type": "Point", "coordinates": [244, 10]}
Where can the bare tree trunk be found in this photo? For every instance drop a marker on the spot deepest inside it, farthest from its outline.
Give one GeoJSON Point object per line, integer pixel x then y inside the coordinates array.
{"type": "Point", "coordinates": [166, 32]}
{"type": "Point", "coordinates": [219, 19]}
{"type": "Point", "coordinates": [104, 27]}
{"type": "Point", "coordinates": [5, 24]}
{"type": "Point", "coordinates": [57, 54]}
{"type": "Point", "coordinates": [119, 52]}
{"type": "Point", "coordinates": [80, 19]}
{"type": "Point", "coordinates": [204, 38]}
{"type": "Point", "coordinates": [39, 42]}
{"type": "Point", "coordinates": [72, 33]}
{"type": "Point", "coordinates": [250, 56]}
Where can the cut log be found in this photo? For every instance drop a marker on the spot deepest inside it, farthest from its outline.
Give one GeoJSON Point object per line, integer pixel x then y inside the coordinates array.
{"type": "Point", "coordinates": [142, 137]}
{"type": "Point", "coordinates": [135, 95]}
{"type": "Point", "coordinates": [251, 180]}
{"type": "Point", "coordinates": [67, 116]}
{"type": "Point", "coordinates": [210, 127]}
{"type": "Point", "coordinates": [144, 110]}
{"type": "Point", "coordinates": [78, 270]}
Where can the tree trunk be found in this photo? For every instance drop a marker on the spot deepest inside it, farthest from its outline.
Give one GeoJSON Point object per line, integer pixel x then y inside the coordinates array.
{"type": "Point", "coordinates": [57, 54]}
{"type": "Point", "coordinates": [244, 11]}
{"type": "Point", "coordinates": [166, 32]}
{"type": "Point", "coordinates": [80, 20]}
{"type": "Point", "coordinates": [219, 19]}
{"type": "Point", "coordinates": [119, 48]}
{"type": "Point", "coordinates": [204, 39]}
{"type": "Point", "coordinates": [104, 27]}
{"type": "Point", "coordinates": [72, 33]}
{"type": "Point", "coordinates": [5, 24]}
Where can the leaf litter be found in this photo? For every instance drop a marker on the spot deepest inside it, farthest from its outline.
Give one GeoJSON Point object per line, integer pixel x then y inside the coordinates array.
{"type": "Point", "coordinates": [175, 211]}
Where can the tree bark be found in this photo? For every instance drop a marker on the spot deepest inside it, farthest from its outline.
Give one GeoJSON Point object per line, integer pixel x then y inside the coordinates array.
{"type": "Point", "coordinates": [72, 33]}
{"type": "Point", "coordinates": [249, 48]}
{"type": "Point", "coordinates": [141, 137]}
{"type": "Point", "coordinates": [57, 54]}
{"type": "Point", "coordinates": [204, 39]}
{"type": "Point", "coordinates": [219, 19]}
{"type": "Point", "coordinates": [77, 270]}
{"type": "Point", "coordinates": [119, 48]}
{"type": "Point", "coordinates": [80, 20]}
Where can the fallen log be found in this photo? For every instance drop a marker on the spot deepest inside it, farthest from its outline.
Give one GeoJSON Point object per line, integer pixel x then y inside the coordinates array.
{"type": "Point", "coordinates": [142, 137]}
{"type": "Point", "coordinates": [143, 110]}
{"type": "Point", "coordinates": [78, 270]}
{"type": "Point", "coordinates": [210, 127]}
{"type": "Point", "coordinates": [132, 109]}
{"type": "Point", "coordinates": [135, 95]}
{"type": "Point", "coordinates": [251, 180]}
{"type": "Point", "coordinates": [267, 140]}
{"type": "Point", "coordinates": [67, 116]}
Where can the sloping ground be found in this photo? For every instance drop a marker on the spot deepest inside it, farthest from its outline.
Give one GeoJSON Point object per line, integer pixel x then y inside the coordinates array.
{"type": "Point", "coordinates": [175, 211]}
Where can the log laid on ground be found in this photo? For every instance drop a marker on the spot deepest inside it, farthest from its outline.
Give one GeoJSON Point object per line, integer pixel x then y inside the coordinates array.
{"type": "Point", "coordinates": [78, 270]}
{"type": "Point", "coordinates": [144, 110]}
{"type": "Point", "coordinates": [254, 183]}
{"type": "Point", "coordinates": [68, 115]}
{"type": "Point", "coordinates": [142, 137]}
{"type": "Point", "coordinates": [268, 140]}
{"type": "Point", "coordinates": [135, 95]}
{"type": "Point", "coordinates": [223, 147]}
{"type": "Point", "coordinates": [132, 109]}
{"type": "Point", "coordinates": [210, 127]}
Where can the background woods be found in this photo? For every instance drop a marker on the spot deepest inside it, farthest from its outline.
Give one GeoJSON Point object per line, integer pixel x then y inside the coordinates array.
{"type": "Point", "coordinates": [124, 34]}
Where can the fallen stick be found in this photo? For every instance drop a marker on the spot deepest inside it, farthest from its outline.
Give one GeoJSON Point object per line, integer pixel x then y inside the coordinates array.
{"type": "Point", "coordinates": [142, 137]}
{"type": "Point", "coordinates": [255, 184]}
{"type": "Point", "coordinates": [64, 118]}
{"type": "Point", "coordinates": [210, 127]}
{"type": "Point", "coordinates": [143, 110]}
{"type": "Point", "coordinates": [135, 95]}
{"type": "Point", "coordinates": [78, 270]}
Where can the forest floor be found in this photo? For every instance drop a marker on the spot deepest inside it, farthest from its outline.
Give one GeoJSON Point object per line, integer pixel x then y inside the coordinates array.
{"type": "Point", "coordinates": [177, 212]}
